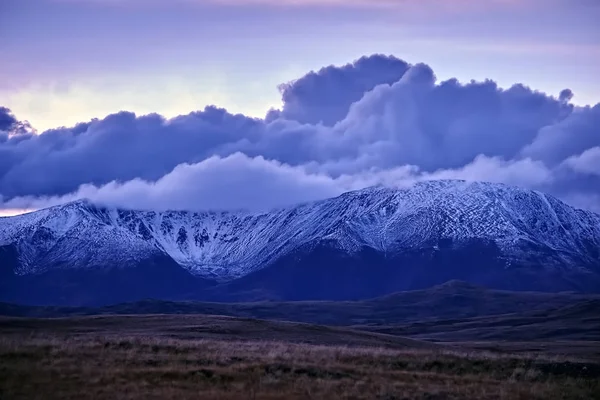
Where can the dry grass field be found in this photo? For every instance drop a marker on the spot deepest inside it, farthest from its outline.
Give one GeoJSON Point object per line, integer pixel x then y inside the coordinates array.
{"type": "Point", "coordinates": [200, 357]}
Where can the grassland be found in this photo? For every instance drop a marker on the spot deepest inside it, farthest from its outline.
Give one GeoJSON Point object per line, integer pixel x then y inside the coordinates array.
{"type": "Point", "coordinates": [209, 357]}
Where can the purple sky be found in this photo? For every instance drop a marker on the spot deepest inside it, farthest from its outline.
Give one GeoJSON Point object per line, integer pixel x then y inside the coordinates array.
{"type": "Point", "coordinates": [64, 61]}
{"type": "Point", "coordinates": [146, 69]}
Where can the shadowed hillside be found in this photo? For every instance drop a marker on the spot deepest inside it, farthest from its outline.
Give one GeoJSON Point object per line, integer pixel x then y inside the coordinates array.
{"type": "Point", "coordinates": [452, 300]}
{"type": "Point", "coordinates": [579, 321]}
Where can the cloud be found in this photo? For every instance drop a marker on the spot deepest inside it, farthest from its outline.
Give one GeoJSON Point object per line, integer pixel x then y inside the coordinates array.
{"type": "Point", "coordinates": [241, 182]}
{"type": "Point", "coordinates": [10, 125]}
{"type": "Point", "coordinates": [378, 120]}
{"type": "Point", "coordinates": [326, 95]}
{"type": "Point", "coordinates": [214, 183]}
{"type": "Point", "coordinates": [587, 162]}
{"type": "Point", "coordinates": [524, 172]}
{"type": "Point", "coordinates": [570, 136]}
{"type": "Point", "coordinates": [7, 119]}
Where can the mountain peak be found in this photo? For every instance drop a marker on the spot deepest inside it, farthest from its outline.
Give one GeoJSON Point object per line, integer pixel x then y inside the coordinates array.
{"type": "Point", "coordinates": [492, 226]}
{"type": "Point", "coordinates": [439, 186]}
{"type": "Point", "coordinates": [83, 203]}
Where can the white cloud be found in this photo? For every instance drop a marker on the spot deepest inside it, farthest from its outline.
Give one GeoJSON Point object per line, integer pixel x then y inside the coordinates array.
{"type": "Point", "coordinates": [587, 162]}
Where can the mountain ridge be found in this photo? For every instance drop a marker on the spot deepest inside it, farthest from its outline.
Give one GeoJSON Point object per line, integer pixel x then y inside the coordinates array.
{"type": "Point", "coordinates": [482, 232]}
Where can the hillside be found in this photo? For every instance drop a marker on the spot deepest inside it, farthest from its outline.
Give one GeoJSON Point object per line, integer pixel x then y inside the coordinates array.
{"type": "Point", "coordinates": [452, 300]}
{"type": "Point", "coordinates": [359, 245]}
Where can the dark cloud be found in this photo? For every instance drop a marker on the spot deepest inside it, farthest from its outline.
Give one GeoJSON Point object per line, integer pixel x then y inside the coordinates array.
{"type": "Point", "coordinates": [447, 125]}
{"type": "Point", "coordinates": [120, 147]}
{"type": "Point", "coordinates": [325, 96]}
{"type": "Point", "coordinates": [383, 122]}
{"type": "Point", "coordinates": [11, 126]}
{"type": "Point", "coordinates": [565, 95]}
{"type": "Point", "coordinates": [7, 119]}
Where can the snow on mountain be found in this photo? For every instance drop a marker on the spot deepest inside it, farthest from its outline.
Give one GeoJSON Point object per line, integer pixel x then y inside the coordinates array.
{"type": "Point", "coordinates": [227, 245]}
{"type": "Point", "coordinates": [71, 236]}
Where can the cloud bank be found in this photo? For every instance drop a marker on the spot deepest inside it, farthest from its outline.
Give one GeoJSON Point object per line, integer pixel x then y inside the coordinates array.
{"type": "Point", "coordinates": [379, 120]}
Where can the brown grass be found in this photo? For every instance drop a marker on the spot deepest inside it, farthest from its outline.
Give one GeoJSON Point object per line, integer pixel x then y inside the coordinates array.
{"type": "Point", "coordinates": [73, 364]}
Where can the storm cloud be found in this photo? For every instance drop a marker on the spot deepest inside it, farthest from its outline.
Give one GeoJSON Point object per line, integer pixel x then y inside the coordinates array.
{"type": "Point", "coordinates": [326, 96]}
{"type": "Point", "coordinates": [378, 120]}
{"type": "Point", "coordinates": [11, 126]}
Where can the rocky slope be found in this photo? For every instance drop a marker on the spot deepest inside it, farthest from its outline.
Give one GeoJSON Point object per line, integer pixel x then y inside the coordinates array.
{"type": "Point", "coordinates": [434, 231]}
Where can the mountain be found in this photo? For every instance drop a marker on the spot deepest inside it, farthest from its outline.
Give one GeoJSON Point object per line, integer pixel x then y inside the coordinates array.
{"type": "Point", "coordinates": [361, 244]}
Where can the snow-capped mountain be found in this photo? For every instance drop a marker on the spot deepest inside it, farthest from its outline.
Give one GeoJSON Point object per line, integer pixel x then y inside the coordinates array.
{"type": "Point", "coordinates": [525, 229]}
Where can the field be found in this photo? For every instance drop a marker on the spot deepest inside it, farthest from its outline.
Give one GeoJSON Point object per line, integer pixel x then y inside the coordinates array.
{"type": "Point", "coordinates": [211, 357]}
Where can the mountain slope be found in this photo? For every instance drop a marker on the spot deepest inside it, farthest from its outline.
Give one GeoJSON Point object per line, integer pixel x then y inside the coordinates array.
{"type": "Point", "coordinates": [360, 244]}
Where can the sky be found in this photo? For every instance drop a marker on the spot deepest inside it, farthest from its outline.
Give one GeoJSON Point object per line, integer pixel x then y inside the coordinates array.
{"type": "Point", "coordinates": [390, 99]}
